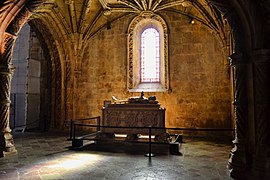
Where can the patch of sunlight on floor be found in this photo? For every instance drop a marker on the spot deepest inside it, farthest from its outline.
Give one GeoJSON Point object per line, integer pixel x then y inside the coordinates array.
{"type": "Point", "coordinates": [62, 165]}
{"type": "Point", "coordinates": [74, 161]}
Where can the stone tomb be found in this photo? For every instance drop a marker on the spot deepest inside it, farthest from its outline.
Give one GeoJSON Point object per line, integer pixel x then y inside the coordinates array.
{"type": "Point", "coordinates": [133, 117]}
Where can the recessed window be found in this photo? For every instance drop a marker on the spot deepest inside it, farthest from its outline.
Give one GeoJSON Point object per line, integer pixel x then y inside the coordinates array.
{"type": "Point", "coordinates": [150, 56]}
{"type": "Point", "coordinates": [147, 66]}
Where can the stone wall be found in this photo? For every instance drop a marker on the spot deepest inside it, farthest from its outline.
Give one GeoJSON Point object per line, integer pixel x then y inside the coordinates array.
{"type": "Point", "coordinates": [199, 75]}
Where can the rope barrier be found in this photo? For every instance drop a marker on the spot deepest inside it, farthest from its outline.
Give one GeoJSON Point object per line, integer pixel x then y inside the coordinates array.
{"type": "Point", "coordinates": [73, 125]}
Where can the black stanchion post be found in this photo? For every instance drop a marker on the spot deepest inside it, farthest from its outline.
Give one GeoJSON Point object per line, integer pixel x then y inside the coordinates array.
{"type": "Point", "coordinates": [73, 135]}
{"type": "Point", "coordinates": [98, 128]}
{"type": "Point", "coordinates": [71, 129]}
{"type": "Point", "coordinates": [149, 154]}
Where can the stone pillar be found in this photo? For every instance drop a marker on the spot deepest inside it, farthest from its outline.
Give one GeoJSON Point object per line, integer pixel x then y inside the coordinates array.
{"type": "Point", "coordinates": [261, 166]}
{"type": "Point", "coordinates": [240, 160]}
{"type": "Point", "coordinates": [6, 140]}
{"type": "Point", "coordinates": [6, 71]}
{"type": "Point", "coordinates": [17, 15]}
{"type": "Point", "coordinates": [250, 157]}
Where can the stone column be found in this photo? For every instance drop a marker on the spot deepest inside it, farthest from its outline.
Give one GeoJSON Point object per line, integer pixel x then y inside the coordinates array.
{"type": "Point", "coordinates": [6, 140]}
{"type": "Point", "coordinates": [261, 62]}
{"type": "Point", "coordinates": [240, 160]}
{"type": "Point", "coordinates": [6, 71]}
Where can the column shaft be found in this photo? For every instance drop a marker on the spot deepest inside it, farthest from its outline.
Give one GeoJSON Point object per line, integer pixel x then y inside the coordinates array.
{"type": "Point", "coordinates": [6, 140]}
{"type": "Point", "coordinates": [261, 59]}
{"type": "Point", "coordinates": [239, 161]}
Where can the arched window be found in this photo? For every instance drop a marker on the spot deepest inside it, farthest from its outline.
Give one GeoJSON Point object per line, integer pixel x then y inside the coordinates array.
{"type": "Point", "coordinates": [150, 56]}
{"type": "Point", "coordinates": [147, 61]}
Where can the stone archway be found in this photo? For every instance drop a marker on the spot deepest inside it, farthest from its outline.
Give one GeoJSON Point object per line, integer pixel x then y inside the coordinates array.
{"type": "Point", "coordinates": [250, 157]}
{"type": "Point", "coordinates": [13, 15]}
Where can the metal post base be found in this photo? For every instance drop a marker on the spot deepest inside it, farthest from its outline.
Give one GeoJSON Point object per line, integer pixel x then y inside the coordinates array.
{"type": "Point", "coordinates": [149, 155]}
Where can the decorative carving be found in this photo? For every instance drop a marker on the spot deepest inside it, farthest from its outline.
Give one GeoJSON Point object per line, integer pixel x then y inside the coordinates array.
{"type": "Point", "coordinates": [15, 26]}
{"type": "Point", "coordinates": [235, 23]}
{"type": "Point", "coordinates": [133, 115]}
{"type": "Point", "coordinates": [68, 94]}
{"type": "Point", "coordinates": [58, 108]}
{"type": "Point", "coordinates": [4, 6]}
{"type": "Point", "coordinates": [6, 140]}
{"type": "Point", "coordinates": [8, 49]}
{"type": "Point", "coordinates": [240, 102]}
{"type": "Point", "coordinates": [5, 78]}
{"type": "Point", "coordinates": [238, 161]}
{"type": "Point", "coordinates": [132, 118]}
{"type": "Point", "coordinates": [6, 72]}
{"type": "Point", "coordinates": [58, 90]}
{"type": "Point", "coordinates": [134, 23]}
{"type": "Point", "coordinates": [33, 5]}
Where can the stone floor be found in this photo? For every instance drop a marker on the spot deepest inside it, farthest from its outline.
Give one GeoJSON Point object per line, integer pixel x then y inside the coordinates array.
{"type": "Point", "coordinates": [47, 156]}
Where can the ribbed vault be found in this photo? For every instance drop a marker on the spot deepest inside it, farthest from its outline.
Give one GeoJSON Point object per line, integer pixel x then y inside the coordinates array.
{"type": "Point", "coordinates": [73, 22]}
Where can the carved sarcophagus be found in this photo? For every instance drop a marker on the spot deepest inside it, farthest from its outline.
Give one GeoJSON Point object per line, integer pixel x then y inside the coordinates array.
{"type": "Point", "coordinates": [133, 115]}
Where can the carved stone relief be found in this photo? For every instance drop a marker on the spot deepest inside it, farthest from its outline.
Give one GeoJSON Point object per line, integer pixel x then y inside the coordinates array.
{"type": "Point", "coordinates": [128, 116]}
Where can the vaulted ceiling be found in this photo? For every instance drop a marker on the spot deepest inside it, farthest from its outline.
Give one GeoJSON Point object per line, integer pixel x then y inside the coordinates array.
{"type": "Point", "coordinates": [78, 20]}
{"type": "Point", "coordinates": [86, 17]}
{"type": "Point", "coordinates": [66, 24]}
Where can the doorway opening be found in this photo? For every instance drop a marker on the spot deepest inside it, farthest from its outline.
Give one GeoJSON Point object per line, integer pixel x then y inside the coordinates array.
{"type": "Point", "coordinates": [31, 85]}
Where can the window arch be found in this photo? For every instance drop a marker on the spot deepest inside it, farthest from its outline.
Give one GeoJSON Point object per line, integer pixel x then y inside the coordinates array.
{"type": "Point", "coordinates": [144, 74]}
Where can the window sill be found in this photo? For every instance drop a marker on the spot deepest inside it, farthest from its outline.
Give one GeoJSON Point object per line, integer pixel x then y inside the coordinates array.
{"type": "Point", "coordinates": [149, 87]}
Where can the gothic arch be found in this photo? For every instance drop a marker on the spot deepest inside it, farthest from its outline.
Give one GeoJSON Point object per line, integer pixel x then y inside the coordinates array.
{"type": "Point", "coordinates": [244, 19]}
{"type": "Point", "coordinates": [51, 51]}
{"type": "Point", "coordinates": [13, 15]}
